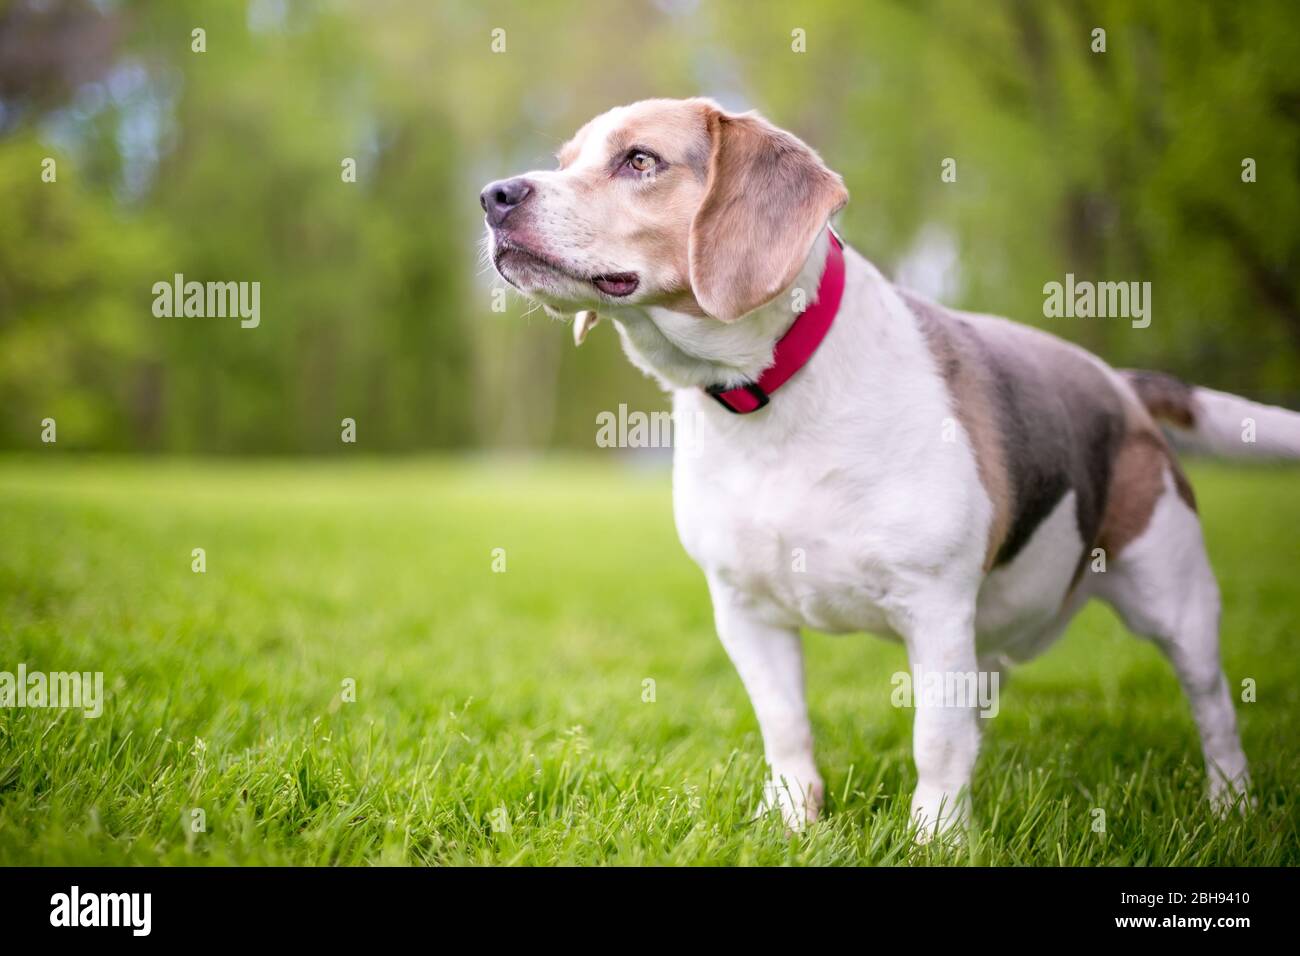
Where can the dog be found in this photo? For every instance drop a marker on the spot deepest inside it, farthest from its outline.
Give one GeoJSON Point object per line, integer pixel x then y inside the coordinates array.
{"type": "Point", "coordinates": [865, 459]}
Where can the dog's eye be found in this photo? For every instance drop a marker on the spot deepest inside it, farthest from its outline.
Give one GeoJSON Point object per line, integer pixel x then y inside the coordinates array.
{"type": "Point", "coordinates": [641, 162]}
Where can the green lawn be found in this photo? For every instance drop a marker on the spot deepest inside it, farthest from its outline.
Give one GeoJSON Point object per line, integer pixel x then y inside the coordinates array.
{"type": "Point", "coordinates": [517, 697]}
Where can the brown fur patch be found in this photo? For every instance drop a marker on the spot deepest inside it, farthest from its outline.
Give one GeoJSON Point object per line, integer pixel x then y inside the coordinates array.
{"type": "Point", "coordinates": [768, 197]}
{"type": "Point", "coordinates": [728, 218]}
{"type": "Point", "coordinates": [652, 216]}
{"type": "Point", "coordinates": [1164, 396]}
{"type": "Point", "coordinates": [975, 404]}
{"type": "Point", "coordinates": [1051, 411]}
{"type": "Point", "coordinates": [1136, 485]}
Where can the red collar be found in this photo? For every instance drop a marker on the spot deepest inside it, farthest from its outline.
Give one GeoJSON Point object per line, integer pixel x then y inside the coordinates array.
{"type": "Point", "coordinates": [797, 345]}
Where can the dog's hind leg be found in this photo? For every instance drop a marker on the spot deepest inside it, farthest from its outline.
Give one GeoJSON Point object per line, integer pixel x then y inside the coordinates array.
{"type": "Point", "coordinates": [769, 660]}
{"type": "Point", "coordinates": [1162, 586]}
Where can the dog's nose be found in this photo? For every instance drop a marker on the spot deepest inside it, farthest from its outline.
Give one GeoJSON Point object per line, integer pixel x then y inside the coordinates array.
{"type": "Point", "coordinates": [500, 197]}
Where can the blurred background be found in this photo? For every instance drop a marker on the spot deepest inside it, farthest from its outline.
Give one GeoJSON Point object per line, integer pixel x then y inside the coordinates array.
{"type": "Point", "coordinates": [225, 165]}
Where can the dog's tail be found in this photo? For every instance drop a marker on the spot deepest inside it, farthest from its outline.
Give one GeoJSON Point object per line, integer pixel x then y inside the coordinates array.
{"type": "Point", "coordinates": [1204, 421]}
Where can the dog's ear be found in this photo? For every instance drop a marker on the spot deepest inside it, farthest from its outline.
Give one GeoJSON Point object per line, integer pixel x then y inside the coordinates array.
{"type": "Point", "coordinates": [768, 196]}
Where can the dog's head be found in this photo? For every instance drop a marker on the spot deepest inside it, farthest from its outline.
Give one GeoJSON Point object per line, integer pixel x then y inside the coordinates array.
{"type": "Point", "coordinates": [673, 203]}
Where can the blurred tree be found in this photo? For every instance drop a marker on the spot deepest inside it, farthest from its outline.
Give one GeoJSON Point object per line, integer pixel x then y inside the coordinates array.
{"type": "Point", "coordinates": [226, 165]}
{"type": "Point", "coordinates": [1123, 165]}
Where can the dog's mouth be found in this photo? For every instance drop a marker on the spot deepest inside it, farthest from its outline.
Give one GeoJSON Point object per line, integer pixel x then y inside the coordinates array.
{"type": "Point", "coordinates": [617, 284]}
{"type": "Point", "coordinates": [513, 258]}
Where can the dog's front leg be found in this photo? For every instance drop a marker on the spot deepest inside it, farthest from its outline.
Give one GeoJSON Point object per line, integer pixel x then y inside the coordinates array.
{"type": "Point", "coordinates": [945, 731]}
{"type": "Point", "coordinates": [769, 660]}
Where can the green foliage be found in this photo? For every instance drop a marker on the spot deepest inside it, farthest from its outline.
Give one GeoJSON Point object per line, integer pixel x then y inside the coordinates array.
{"type": "Point", "coordinates": [225, 165]}
{"type": "Point", "coordinates": [523, 690]}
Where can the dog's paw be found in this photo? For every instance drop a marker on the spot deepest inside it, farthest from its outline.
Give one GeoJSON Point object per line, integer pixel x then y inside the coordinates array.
{"type": "Point", "coordinates": [1227, 795]}
{"type": "Point", "coordinates": [798, 800]}
{"type": "Point", "coordinates": [940, 816]}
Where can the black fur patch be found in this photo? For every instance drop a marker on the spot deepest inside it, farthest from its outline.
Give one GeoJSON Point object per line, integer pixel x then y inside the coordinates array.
{"type": "Point", "coordinates": [1058, 417]}
{"type": "Point", "coordinates": [1062, 423]}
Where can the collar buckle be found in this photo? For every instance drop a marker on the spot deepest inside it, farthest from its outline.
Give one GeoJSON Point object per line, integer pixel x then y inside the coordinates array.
{"type": "Point", "coordinates": [720, 395]}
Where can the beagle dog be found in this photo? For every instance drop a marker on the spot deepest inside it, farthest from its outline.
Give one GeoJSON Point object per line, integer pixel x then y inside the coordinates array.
{"type": "Point", "coordinates": [865, 459]}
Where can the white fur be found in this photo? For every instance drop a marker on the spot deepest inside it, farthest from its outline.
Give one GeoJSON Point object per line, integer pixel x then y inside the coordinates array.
{"type": "Point", "coordinates": [853, 502]}
{"type": "Point", "coordinates": [1236, 427]}
{"type": "Point", "coordinates": [1020, 603]}
{"type": "Point", "coordinates": [848, 465]}
{"type": "Point", "coordinates": [1163, 587]}
{"type": "Point", "coordinates": [842, 507]}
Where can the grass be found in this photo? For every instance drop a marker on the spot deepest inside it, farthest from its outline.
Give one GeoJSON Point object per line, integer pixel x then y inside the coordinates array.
{"type": "Point", "coordinates": [485, 697]}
